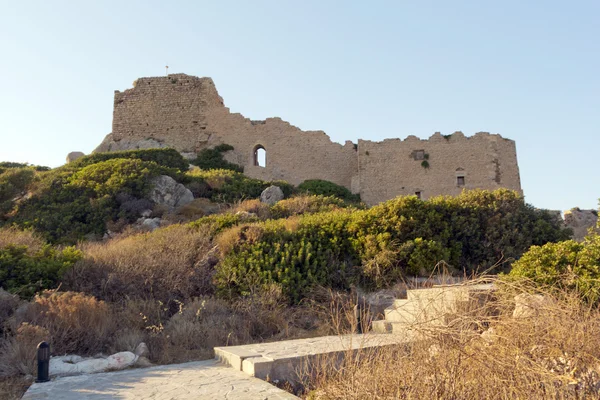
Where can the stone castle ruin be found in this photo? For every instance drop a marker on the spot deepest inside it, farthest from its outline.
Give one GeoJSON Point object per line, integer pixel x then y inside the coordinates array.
{"type": "Point", "coordinates": [187, 113]}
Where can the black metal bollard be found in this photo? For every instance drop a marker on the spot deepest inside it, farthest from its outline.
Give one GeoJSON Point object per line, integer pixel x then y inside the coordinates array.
{"type": "Point", "coordinates": [43, 360]}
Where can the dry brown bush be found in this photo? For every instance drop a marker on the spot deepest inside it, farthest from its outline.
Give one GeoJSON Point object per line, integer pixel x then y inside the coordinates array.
{"type": "Point", "coordinates": [262, 210]}
{"type": "Point", "coordinates": [192, 211]}
{"type": "Point", "coordinates": [8, 305]}
{"type": "Point", "coordinates": [191, 332]}
{"type": "Point", "coordinates": [13, 388]}
{"type": "Point", "coordinates": [170, 263]}
{"type": "Point", "coordinates": [229, 238]}
{"type": "Point", "coordinates": [75, 322]}
{"type": "Point", "coordinates": [552, 354]}
{"type": "Point", "coordinates": [18, 352]}
{"type": "Point", "coordinates": [17, 237]}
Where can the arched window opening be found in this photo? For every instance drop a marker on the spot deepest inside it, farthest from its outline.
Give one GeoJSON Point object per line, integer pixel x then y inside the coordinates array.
{"type": "Point", "coordinates": [260, 156]}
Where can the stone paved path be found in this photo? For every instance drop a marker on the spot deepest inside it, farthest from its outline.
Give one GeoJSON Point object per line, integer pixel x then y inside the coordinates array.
{"type": "Point", "coordinates": [237, 378]}
{"type": "Point", "coordinates": [190, 381]}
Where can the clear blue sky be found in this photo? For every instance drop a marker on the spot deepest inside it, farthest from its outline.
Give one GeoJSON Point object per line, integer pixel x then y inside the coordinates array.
{"type": "Point", "coordinates": [528, 70]}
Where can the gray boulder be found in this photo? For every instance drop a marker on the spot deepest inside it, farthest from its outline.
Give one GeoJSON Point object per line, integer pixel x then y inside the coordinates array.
{"type": "Point", "coordinates": [271, 195]}
{"type": "Point", "coordinates": [150, 223]}
{"type": "Point", "coordinates": [74, 155]}
{"type": "Point", "coordinates": [166, 191]}
{"type": "Point", "coordinates": [581, 221]}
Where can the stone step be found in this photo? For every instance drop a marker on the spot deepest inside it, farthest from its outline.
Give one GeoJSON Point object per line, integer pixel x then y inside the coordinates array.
{"type": "Point", "coordinates": [282, 360]}
{"type": "Point", "coordinates": [448, 293]}
{"type": "Point", "coordinates": [406, 313]}
{"type": "Point", "coordinates": [398, 328]}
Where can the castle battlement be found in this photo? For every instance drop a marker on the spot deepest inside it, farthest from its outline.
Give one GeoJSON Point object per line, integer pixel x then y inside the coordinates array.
{"type": "Point", "coordinates": [187, 113]}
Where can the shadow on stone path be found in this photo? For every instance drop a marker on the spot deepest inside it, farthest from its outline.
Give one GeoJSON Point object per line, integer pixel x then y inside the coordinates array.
{"type": "Point", "coordinates": [194, 380]}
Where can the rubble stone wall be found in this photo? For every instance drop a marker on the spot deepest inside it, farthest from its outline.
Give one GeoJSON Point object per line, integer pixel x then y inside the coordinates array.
{"type": "Point", "coordinates": [187, 113]}
{"type": "Point", "coordinates": [394, 167]}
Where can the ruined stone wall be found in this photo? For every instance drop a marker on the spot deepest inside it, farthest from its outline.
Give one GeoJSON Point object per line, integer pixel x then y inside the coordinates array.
{"type": "Point", "coordinates": [187, 113]}
{"type": "Point", "coordinates": [432, 167]}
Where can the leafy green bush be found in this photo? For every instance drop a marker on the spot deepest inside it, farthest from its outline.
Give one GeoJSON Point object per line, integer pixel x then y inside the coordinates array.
{"type": "Point", "coordinates": [295, 254]}
{"type": "Point", "coordinates": [4, 165]}
{"type": "Point", "coordinates": [213, 159]}
{"type": "Point", "coordinates": [13, 182]}
{"type": "Point", "coordinates": [227, 186]}
{"type": "Point", "coordinates": [375, 247]}
{"type": "Point", "coordinates": [564, 265]}
{"type": "Point", "coordinates": [479, 227]}
{"type": "Point", "coordinates": [25, 274]}
{"type": "Point", "coordinates": [326, 188]}
{"type": "Point", "coordinates": [70, 203]}
{"type": "Point", "coordinates": [164, 157]}
{"type": "Point", "coordinates": [219, 222]}
{"type": "Point", "coordinates": [307, 204]}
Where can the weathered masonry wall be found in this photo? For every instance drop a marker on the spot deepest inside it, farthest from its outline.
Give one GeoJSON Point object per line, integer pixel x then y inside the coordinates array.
{"type": "Point", "coordinates": [187, 113]}
{"type": "Point", "coordinates": [394, 167]}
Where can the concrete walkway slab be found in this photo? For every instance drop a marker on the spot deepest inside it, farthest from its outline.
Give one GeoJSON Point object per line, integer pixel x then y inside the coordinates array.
{"type": "Point", "coordinates": [190, 381]}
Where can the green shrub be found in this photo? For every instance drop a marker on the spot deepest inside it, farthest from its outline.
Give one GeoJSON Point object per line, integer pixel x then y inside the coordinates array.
{"type": "Point", "coordinates": [219, 222]}
{"type": "Point", "coordinates": [307, 204]}
{"type": "Point", "coordinates": [376, 247]}
{"type": "Point", "coordinates": [564, 265]}
{"type": "Point", "coordinates": [227, 186]}
{"type": "Point", "coordinates": [213, 159]}
{"type": "Point", "coordinates": [326, 188]}
{"type": "Point", "coordinates": [26, 274]}
{"type": "Point", "coordinates": [296, 254]}
{"type": "Point", "coordinates": [169, 158]}
{"type": "Point", "coordinates": [5, 165]}
{"type": "Point", "coordinates": [13, 182]}
{"type": "Point", "coordinates": [70, 203]}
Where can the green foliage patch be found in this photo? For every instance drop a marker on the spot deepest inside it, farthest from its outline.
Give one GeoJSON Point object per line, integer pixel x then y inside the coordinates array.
{"type": "Point", "coordinates": [326, 188]}
{"type": "Point", "coordinates": [227, 186]}
{"type": "Point", "coordinates": [4, 165]}
{"type": "Point", "coordinates": [307, 204]}
{"type": "Point", "coordinates": [219, 222]}
{"type": "Point", "coordinates": [213, 159]}
{"type": "Point", "coordinates": [169, 158]}
{"type": "Point", "coordinates": [74, 201]}
{"type": "Point", "coordinates": [13, 182]}
{"type": "Point", "coordinates": [26, 274]}
{"type": "Point", "coordinates": [375, 247]}
{"type": "Point", "coordinates": [565, 265]}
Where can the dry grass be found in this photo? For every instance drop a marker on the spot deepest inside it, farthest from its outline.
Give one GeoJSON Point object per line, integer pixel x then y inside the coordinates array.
{"type": "Point", "coordinates": [173, 263]}
{"type": "Point", "coordinates": [18, 352]}
{"type": "Point", "coordinates": [74, 322]}
{"type": "Point", "coordinates": [255, 206]}
{"type": "Point", "coordinates": [553, 353]}
{"type": "Point", "coordinates": [13, 388]}
{"type": "Point", "coordinates": [8, 305]}
{"type": "Point", "coordinates": [17, 237]}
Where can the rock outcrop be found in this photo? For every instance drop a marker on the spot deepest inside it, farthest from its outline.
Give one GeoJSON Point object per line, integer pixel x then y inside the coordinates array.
{"type": "Point", "coordinates": [167, 192]}
{"type": "Point", "coordinates": [581, 221]}
{"type": "Point", "coordinates": [74, 155]}
{"type": "Point", "coordinates": [271, 195]}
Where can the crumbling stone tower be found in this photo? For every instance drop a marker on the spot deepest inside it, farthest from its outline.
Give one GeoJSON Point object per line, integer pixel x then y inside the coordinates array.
{"type": "Point", "coordinates": [187, 113]}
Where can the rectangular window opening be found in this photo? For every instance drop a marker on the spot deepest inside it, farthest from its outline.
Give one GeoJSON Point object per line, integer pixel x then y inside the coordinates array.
{"type": "Point", "coordinates": [460, 181]}
{"type": "Point", "coordinates": [418, 194]}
